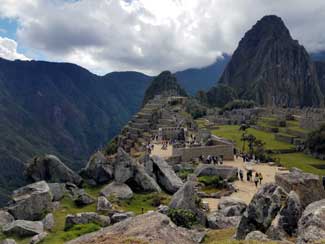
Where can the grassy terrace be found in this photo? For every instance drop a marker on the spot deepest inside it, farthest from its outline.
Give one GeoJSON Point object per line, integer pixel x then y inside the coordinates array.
{"type": "Point", "coordinates": [232, 132]}
{"type": "Point", "coordinates": [299, 160]}
{"type": "Point", "coordinates": [58, 235]}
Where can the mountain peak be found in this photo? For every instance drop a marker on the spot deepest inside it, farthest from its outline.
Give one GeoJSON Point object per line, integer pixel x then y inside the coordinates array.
{"type": "Point", "coordinates": [164, 84]}
{"type": "Point", "coordinates": [271, 68]}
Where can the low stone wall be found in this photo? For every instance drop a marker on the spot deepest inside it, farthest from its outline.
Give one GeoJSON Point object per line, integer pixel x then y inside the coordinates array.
{"type": "Point", "coordinates": [187, 154]}
{"type": "Point", "coordinates": [297, 133]}
{"type": "Point", "coordinates": [284, 138]}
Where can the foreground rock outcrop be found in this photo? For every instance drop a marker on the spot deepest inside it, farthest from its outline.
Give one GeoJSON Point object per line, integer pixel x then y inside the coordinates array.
{"type": "Point", "coordinates": [224, 172]}
{"type": "Point", "coordinates": [98, 169]}
{"type": "Point", "coordinates": [311, 226]}
{"type": "Point", "coordinates": [51, 169]}
{"type": "Point", "coordinates": [308, 186]}
{"type": "Point", "coordinates": [164, 174]}
{"type": "Point", "coordinates": [261, 211]}
{"type": "Point", "coordinates": [23, 228]}
{"type": "Point", "coordinates": [31, 202]}
{"type": "Point", "coordinates": [152, 227]}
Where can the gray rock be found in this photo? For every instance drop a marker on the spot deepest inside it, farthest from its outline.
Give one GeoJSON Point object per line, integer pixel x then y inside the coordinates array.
{"type": "Point", "coordinates": [151, 227]}
{"type": "Point", "coordinates": [23, 228]}
{"type": "Point", "coordinates": [99, 169]}
{"type": "Point", "coordinates": [311, 226]}
{"type": "Point", "coordinates": [165, 175]}
{"type": "Point", "coordinates": [83, 199]}
{"type": "Point", "coordinates": [8, 241]}
{"type": "Point", "coordinates": [5, 218]}
{"type": "Point", "coordinates": [257, 236]}
{"type": "Point", "coordinates": [119, 190]}
{"type": "Point", "coordinates": [261, 211]}
{"type": "Point", "coordinates": [144, 181]}
{"type": "Point", "coordinates": [31, 202]}
{"type": "Point", "coordinates": [186, 198]}
{"type": "Point", "coordinates": [48, 222]}
{"type": "Point", "coordinates": [163, 209]}
{"type": "Point", "coordinates": [86, 218]}
{"type": "Point", "coordinates": [308, 186]}
{"type": "Point", "coordinates": [123, 166]}
{"type": "Point", "coordinates": [224, 172]}
{"type": "Point", "coordinates": [276, 231]}
{"type": "Point", "coordinates": [230, 206]}
{"type": "Point", "coordinates": [51, 169]}
{"type": "Point", "coordinates": [38, 238]}
{"type": "Point", "coordinates": [118, 217]}
{"type": "Point", "coordinates": [103, 205]}
{"type": "Point", "coordinates": [58, 190]}
{"type": "Point", "coordinates": [218, 220]}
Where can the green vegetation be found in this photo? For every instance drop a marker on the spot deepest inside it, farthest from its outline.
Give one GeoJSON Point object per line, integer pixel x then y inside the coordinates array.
{"type": "Point", "coordinates": [215, 181]}
{"type": "Point", "coordinates": [182, 217]}
{"type": "Point", "coordinates": [143, 202]}
{"type": "Point", "coordinates": [301, 161]}
{"type": "Point", "coordinates": [220, 95]}
{"type": "Point", "coordinates": [315, 142]}
{"type": "Point", "coordinates": [111, 147]}
{"type": "Point", "coordinates": [231, 132]}
{"type": "Point", "coordinates": [184, 173]}
{"type": "Point", "coordinates": [238, 104]}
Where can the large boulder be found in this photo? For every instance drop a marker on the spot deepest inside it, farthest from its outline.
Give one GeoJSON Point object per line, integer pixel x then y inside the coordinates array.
{"type": "Point", "coordinates": [78, 195]}
{"type": "Point", "coordinates": [86, 218]}
{"type": "Point", "coordinates": [103, 205]}
{"type": "Point", "coordinates": [186, 198]}
{"type": "Point", "coordinates": [51, 169]}
{"type": "Point", "coordinates": [8, 241]}
{"type": "Point", "coordinates": [165, 174]}
{"type": "Point", "coordinates": [217, 220]}
{"type": "Point", "coordinates": [31, 202]}
{"type": "Point", "coordinates": [98, 168]}
{"type": "Point", "coordinates": [23, 228]}
{"type": "Point", "coordinates": [311, 226]}
{"type": "Point", "coordinates": [151, 227]}
{"type": "Point", "coordinates": [224, 172]}
{"type": "Point", "coordinates": [231, 206]}
{"type": "Point", "coordinates": [38, 238]}
{"type": "Point", "coordinates": [58, 190]}
{"type": "Point", "coordinates": [308, 186]}
{"type": "Point", "coordinates": [118, 190]}
{"type": "Point", "coordinates": [5, 218]}
{"type": "Point", "coordinates": [130, 172]}
{"type": "Point", "coordinates": [48, 222]}
{"type": "Point", "coordinates": [261, 211]}
{"type": "Point", "coordinates": [118, 217]}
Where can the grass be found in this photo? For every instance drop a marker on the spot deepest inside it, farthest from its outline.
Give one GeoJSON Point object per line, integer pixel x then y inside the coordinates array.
{"type": "Point", "coordinates": [301, 161]}
{"type": "Point", "coordinates": [145, 202]}
{"type": "Point", "coordinates": [232, 132]}
{"type": "Point", "coordinates": [225, 236]}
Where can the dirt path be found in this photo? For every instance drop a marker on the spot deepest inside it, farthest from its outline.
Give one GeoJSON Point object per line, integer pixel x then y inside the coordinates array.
{"type": "Point", "coordinates": [157, 151]}
{"type": "Point", "coordinates": [246, 190]}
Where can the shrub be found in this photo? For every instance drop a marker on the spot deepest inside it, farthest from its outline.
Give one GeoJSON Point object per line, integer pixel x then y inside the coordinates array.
{"type": "Point", "coordinates": [215, 181]}
{"type": "Point", "coordinates": [111, 147]}
{"type": "Point", "coordinates": [184, 173]}
{"type": "Point", "coordinates": [238, 104]}
{"type": "Point", "coordinates": [182, 217]}
{"type": "Point", "coordinates": [220, 95]}
{"type": "Point", "coordinates": [315, 142]}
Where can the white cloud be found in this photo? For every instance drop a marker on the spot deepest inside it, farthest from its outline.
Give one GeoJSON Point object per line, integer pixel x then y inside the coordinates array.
{"type": "Point", "coordinates": [153, 35]}
{"type": "Point", "coordinates": [8, 50]}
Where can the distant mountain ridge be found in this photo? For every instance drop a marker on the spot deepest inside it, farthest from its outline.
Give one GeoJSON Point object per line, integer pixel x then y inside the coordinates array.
{"type": "Point", "coordinates": [271, 68]}
{"type": "Point", "coordinates": [62, 109]}
{"type": "Point", "coordinates": [196, 79]}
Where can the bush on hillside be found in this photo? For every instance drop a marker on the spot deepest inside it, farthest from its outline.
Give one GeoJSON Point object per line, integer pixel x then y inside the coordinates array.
{"type": "Point", "coordinates": [111, 147]}
{"type": "Point", "coordinates": [238, 104]}
{"type": "Point", "coordinates": [315, 142]}
{"type": "Point", "coordinates": [214, 181]}
{"type": "Point", "coordinates": [220, 95]}
{"type": "Point", "coordinates": [196, 109]}
{"type": "Point", "coordinates": [182, 217]}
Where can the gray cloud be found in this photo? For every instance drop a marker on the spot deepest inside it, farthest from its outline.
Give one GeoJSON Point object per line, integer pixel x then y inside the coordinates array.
{"type": "Point", "coordinates": [151, 36]}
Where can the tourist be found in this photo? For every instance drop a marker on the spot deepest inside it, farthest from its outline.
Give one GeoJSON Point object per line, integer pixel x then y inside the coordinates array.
{"type": "Point", "coordinates": [248, 175]}
{"type": "Point", "coordinates": [260, 176]}
{"type": "Point", "coordinates": [241, 174]}
{"type": "Point", "coordinates": [221, 159]}
{"type": "Point", "coordinates": [256, 179]}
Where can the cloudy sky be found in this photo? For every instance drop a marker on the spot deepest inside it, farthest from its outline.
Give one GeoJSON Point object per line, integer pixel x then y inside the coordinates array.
{"type": "Point", "coordinates": [145, 35]}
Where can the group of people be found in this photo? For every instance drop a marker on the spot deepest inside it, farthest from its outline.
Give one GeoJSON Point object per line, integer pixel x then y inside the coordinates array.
{"type": "Point", "coordinates": [212, 159]}
{"type": "Point", "coordinates": [249, 176]}
{"type": "Point", "coordinates": [164, 145]}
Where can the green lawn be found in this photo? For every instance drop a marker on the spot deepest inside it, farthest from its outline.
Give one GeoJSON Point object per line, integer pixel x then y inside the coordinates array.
{"type": "Point", "coordinates": [301, 161]}
{"type": "Point", "coordinates": [232, 132]}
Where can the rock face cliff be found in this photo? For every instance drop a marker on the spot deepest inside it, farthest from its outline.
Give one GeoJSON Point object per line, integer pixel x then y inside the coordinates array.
{"type": "Point", "coordinates": [320, 69]}
{"type": "Point", "coordinates": [164, 84]}
{"type": "Point", "coordinates": [271, 68]}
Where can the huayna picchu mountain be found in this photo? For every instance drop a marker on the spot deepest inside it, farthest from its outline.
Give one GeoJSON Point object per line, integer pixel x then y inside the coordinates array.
{"type": "Point", "coordinates": [61, 109]}
{"type": "Point", "coordinates": [271, 68]}
{"type": "Point", "coordinates": [164, 84]}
